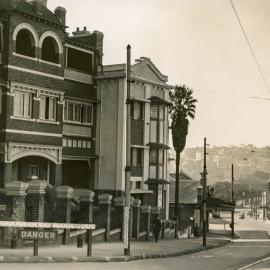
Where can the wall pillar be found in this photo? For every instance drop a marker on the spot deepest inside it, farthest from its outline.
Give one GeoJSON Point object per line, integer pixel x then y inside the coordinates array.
{"type": "Point", "coordinates": [63, 207]}
{"type": "Point", "coordinates": [119, 203]}
{"type": "Point", "coordinates": [7, 174]}
{"type": "Point", "coordinates": [146, 212]}
{"type": "Point", "coordinates": [58, 175]}
{"type": "Point", "coordinates": [35, 200]}
{"type": "Point", "coordinates": [86, 198]}
{"type": "Point", "coordinates": [105, 201]}
{"type": "Point", "coordinates": [136, 218]}
{"type": "Point", "coordinates": [15, 207]}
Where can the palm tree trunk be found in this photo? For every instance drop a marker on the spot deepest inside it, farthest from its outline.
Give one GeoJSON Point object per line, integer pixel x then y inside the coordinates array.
{"type": "Point", "coordinates": [176, 201]}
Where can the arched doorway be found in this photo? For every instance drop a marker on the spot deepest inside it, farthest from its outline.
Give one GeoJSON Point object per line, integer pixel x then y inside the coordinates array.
{"type": "Point", "coordinates": [33, 168]}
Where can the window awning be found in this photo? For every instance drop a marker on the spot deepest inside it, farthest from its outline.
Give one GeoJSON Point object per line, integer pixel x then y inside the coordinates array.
{"type": "Point", "coordinates": [157, 181]}
{"type": "Point", "coordinates": [158, 145]}
{"type": "Point", "coordinates": [218, 204]}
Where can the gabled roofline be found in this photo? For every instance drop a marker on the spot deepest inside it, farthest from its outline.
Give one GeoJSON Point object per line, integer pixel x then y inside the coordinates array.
{"type": "Point", "coordinates": [152, 66]}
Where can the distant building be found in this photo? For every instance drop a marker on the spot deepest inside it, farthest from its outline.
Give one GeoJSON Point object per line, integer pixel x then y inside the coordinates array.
{"type": "Point", "coordinates": [48, 96]}
{"type": "Point", "coordinates": [149, 132]}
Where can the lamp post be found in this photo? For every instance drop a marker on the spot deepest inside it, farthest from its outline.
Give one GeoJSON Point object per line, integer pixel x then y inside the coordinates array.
{"type": "Point", "coordinates": [126, 235]}
{"type": "Point", "coordinates": [204, 183]}
{"type": "Point", "coordinates": [232, 201]}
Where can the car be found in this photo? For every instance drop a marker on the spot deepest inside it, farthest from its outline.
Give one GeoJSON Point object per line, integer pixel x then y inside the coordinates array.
{"type": "Point", "coordinates": [242, 215]}
{"type": "Point", "coordinates": [215, 214]}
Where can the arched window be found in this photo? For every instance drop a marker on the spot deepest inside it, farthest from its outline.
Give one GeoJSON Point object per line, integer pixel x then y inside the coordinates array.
{"type": "Point", "coordinates": [50, 50]}
{"type": "Point", "coordinates": [25, 43]}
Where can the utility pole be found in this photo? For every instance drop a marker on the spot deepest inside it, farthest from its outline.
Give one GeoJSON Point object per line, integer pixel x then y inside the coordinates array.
{"type": "Point", "coordinates": [126, 235]}
{"type": "Point", "coordinates": [232, 201]}
{"type": "Point", "coordinates": [204, 182]}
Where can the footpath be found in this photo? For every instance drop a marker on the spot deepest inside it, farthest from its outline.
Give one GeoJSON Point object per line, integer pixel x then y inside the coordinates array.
{"type": "Point", "coordinates": [113, 252]}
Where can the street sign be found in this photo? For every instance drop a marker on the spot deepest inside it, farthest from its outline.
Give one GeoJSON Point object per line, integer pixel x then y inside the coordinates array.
{"type": "Point", "coordinates": [37, 235]}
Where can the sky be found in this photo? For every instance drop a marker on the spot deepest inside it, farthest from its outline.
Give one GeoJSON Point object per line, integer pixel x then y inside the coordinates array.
{"type": "Point", "coordinates": [198, 43]}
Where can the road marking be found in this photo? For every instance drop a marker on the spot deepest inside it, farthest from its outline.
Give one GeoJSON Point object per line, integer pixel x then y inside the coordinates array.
{"type": "Point", "coordinates": [249, 240]}
{"type": "Point", "coordinates": [254, 263]}
{"type": "Point", "coordinates": [250, 246]}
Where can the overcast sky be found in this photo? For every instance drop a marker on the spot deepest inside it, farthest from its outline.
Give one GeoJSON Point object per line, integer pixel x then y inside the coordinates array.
{"type": "Point", "coordinates": [198, 43]}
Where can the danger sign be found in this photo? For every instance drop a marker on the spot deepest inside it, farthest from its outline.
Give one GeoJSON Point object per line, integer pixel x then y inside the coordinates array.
{"type": "Point", "coordinates": [35, 235]}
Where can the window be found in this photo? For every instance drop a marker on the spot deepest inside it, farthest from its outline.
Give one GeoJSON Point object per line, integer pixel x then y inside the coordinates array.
{"type": "Point", "coordinates": [137, 111]}
{"type": "Point", "coordinates": [74, 143]}
{"type": "Point", "coordinates": [33, 172]}
{"type": "Point", "coordinates": [77, 143]}
{"type": "Point", "coordinates": [23, 104]}
{"type": "Point", "coordinates": [25, 43]}
{"type": "Point", "coordinates": [138, 184]}
{"type": "Point", "coordinates": [50, 50]}
{"type": "Point", "coordinates": [69, 143]}
{"type": "Point", "coordinates": [78, 113]}
{"type": "Point", "coordinates": [157, 123]}
{"type": "Point", "coordinates": [47, 108]}
{"type": "Point", "coordinates": [156, 157]}
{"type": "Point", "coordinates": [154, 112]}
{"type": "Point", "coordinates": [136, 157]}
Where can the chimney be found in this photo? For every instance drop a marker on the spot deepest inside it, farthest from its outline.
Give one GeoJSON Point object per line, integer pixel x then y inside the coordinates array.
{"type": "Point", "coordinates": [60, 13]}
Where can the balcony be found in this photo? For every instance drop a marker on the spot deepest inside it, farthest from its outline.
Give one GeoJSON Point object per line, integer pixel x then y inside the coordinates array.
{"type": "Point", "coordinates": [74, 75]}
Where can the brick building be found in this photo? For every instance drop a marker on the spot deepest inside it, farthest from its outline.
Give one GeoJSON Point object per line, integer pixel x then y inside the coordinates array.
{"type": "Point", "coordinates": [48, 96]}
{"type": "Point", "coordinates": [149, 132]}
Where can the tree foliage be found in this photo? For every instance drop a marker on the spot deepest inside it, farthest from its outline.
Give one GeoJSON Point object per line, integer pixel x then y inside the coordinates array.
{"type": "Point", "coordinates": [181, 110]}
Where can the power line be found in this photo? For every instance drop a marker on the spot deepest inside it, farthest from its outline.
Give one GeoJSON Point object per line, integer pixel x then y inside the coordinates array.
{"type": "Point", "coordinates": [227, 94]}
{"type": "Point", "coordinates": [250, 47]}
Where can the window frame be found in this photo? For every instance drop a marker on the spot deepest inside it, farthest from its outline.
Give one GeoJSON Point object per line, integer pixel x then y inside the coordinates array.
{"type": "Point", "coordinates": [136, 157]}
{"type": "Point", "coordinates": [141, 110]}
{"type": "Point", "coordinates": [85, 112]}
{"type": "Point", "coordinates": [47, 108]}
{"type": "Point", "coordinates": [30, 105]}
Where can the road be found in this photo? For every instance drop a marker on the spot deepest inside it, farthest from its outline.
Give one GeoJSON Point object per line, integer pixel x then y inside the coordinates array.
{"type": "Point", "coordinates": [253, 245]}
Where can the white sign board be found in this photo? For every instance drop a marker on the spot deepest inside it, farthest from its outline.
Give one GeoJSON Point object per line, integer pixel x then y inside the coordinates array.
{"type": "Point", "coordinates": [44, 225]}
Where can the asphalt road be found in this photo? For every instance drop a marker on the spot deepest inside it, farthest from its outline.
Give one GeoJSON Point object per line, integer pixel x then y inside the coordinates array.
{"type": "Point", "coordinates": [253, 245]}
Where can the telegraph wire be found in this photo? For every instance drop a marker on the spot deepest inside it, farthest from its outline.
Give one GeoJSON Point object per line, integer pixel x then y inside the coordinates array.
{"type": "Point", "coordinates": [250, 47]}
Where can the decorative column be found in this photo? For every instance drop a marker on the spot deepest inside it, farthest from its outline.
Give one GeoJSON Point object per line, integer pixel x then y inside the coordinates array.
{"type": "Point", "coordinates": [35, 200]}
{"type": "Point", "coordinates": [63, 207]}
{"type": "Point", "coordinates": [146, 211]}
{"type": "Point", "coordinates": [119, 203]}
{"type": "Point", "coordinates": [105, 201]}
{"type": "Point", "coordinates": [136, 218]}
{"type": "Point", "coordinates": [15, 208]}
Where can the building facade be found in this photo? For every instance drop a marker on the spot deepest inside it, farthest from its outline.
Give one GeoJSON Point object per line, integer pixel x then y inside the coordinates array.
{"type": "Point", "coordinates": [48, 96]}
{"type": "Point", "coordinates": [149, 96]}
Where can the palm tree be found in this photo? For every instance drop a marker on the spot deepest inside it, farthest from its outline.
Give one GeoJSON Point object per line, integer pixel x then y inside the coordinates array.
{"type": "Point", "coordinates": [181, 109]}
